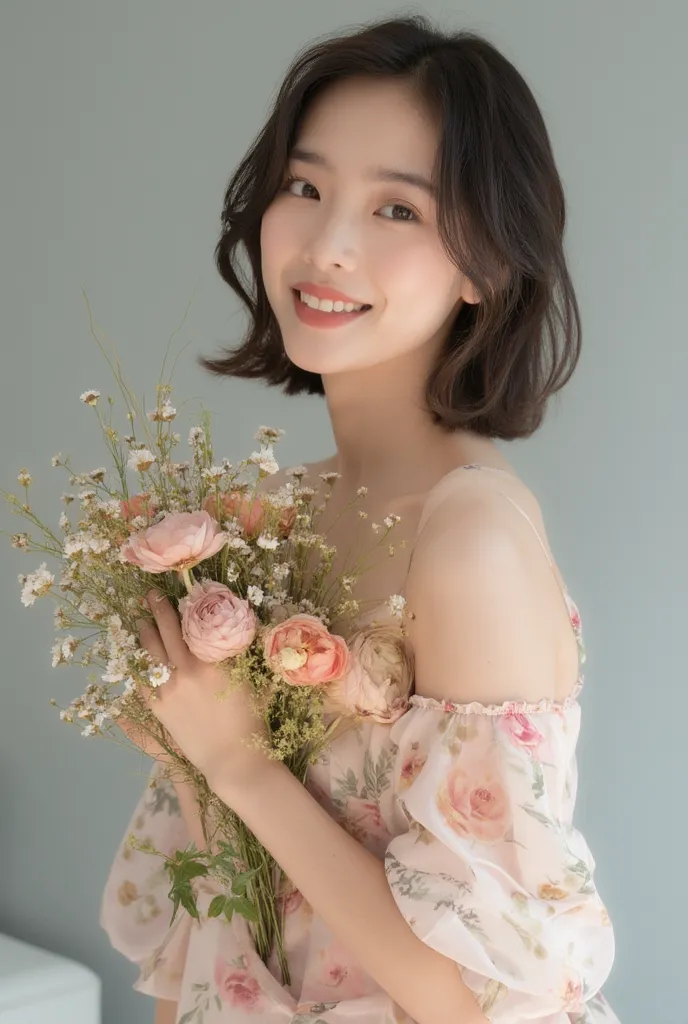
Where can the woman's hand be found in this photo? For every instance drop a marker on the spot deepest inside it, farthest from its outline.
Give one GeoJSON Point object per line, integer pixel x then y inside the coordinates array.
{"type": "Point", "coordinates": [211, 720]}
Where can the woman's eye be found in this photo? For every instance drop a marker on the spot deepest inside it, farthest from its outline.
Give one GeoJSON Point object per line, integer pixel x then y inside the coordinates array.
{"type": "Point", "coordinates": [408, 214]}
{"type": "Point", "coordinates": [401, 206]}
{"type": "Point", "coordinates": [286, 187]}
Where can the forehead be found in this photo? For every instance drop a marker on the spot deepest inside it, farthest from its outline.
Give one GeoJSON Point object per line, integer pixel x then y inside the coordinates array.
{"type": "Point", "coordinates": [366, 121]}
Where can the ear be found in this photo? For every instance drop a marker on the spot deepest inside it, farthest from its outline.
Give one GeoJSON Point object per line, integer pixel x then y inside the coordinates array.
{"type": "Point", "coordinates": [469, 293]}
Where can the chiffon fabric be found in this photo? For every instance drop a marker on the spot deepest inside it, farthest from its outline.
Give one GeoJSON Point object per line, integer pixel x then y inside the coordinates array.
{"type": "Point", "coordinates": [471, 809]}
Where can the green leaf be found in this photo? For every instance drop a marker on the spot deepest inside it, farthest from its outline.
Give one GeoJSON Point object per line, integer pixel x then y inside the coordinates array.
{"type": "Point", "coordinates": [188, 1017]}
{"type": "Point", "coordinates": [240, 881]}
{"type": "Point", "coordinates": [217, 905]}
{"type": "Point", "coordinates": [244, 907]}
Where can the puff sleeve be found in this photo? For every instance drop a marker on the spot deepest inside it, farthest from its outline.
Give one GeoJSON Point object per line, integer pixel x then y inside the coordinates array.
{"type": "Point", "coordinates": [491, 872]}
{"type": "Point", "coordinates": [135, 909]}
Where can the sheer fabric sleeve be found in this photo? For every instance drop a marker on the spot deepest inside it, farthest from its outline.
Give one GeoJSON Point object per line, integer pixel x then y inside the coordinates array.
{"type": "Point", "coordinates": [135, 908]}
{"type": "Point", "coordinates": [491, 871]}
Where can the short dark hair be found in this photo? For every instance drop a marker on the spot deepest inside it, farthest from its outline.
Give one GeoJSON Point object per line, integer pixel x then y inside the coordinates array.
{"type": "Point", "coordinates": [501, 216]}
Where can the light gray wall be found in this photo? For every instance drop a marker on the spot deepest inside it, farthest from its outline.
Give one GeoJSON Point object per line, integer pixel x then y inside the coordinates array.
{"type": "Point", "coordinates": [119, 125]}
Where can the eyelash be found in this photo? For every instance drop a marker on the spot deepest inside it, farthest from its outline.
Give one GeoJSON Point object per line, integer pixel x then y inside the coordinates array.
{"type": "Point", "coordinates": [292, 178]}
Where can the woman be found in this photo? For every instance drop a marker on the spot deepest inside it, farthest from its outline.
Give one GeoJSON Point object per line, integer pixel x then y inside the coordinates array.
{"type": "Point", "coordinates": [403, 218]}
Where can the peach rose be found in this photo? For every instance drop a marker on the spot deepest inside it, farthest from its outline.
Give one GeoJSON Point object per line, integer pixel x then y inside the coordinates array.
{"type": "Point", "coordinates": [251, 512]}
{"type": "Point", "coordinates": [216, 624]}
{"type": "Point", "coordinates": [179, 541]}
{"type": "Point", "coordinates": [138, 505]}
{"type": "Point", "coordinates": [236, 986]}
{"type": "Point", "coordinates": [379, 679]}
{"type": "Point", "coordinates": [474, 803]}
{"type": "Point", "coordinates": [304, 653]}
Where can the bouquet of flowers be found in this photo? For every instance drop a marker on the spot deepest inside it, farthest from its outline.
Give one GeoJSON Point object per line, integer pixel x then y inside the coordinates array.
{"type": "Point", "coordinates": [235, 559]}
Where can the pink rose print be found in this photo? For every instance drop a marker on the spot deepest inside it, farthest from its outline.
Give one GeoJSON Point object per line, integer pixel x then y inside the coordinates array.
{"type": "Point", "coordinates": [474, 803]}
{"type": "Point", "coordinates": [572, 993]}
{"type": "Point", "coordinates": [339, 971]}
{"type": "Point", "coordinates": [522, 732]}
{"type": "Point", "coordinates": [236, 986]}
{"type": "Point", "coordinates": [411, 767]}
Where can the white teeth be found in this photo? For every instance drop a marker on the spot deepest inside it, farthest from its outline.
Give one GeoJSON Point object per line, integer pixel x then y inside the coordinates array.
{"type": "Point", "coordinates": [327, 305]}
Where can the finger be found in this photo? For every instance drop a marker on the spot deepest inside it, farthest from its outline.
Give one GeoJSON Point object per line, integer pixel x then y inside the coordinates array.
{"type": "Point", "coordinates": [151, 640]}
{"type": "Point", "coordinates": [169, 627]}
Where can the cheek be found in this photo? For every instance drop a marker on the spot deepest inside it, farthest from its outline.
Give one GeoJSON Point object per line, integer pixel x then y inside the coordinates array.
{"type": "Point", "coordinates": [276, 245]}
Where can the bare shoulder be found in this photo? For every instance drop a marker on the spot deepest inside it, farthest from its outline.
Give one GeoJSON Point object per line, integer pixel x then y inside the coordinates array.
{"type": "Point", "coordinates": [490, 620]}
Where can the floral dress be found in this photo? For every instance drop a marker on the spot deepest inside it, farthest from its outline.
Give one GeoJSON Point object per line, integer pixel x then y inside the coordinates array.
{"type": "Point", "coordinates": [470, 807]}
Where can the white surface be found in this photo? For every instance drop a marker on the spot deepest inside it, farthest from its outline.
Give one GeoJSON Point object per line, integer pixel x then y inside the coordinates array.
{"type": "Point", "coordinates": [37, 987]}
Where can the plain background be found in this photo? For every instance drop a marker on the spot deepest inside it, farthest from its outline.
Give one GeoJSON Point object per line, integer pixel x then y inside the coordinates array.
{"type": "Point", "coordinates": [120, 124]}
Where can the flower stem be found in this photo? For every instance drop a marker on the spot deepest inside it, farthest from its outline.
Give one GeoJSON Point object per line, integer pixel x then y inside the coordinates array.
{"type": "Point", "coordinates": [188, 580]}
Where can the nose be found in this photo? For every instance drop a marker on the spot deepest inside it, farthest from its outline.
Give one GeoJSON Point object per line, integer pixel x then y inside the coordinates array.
{"type": "Point", "coordinates": [332, 242]}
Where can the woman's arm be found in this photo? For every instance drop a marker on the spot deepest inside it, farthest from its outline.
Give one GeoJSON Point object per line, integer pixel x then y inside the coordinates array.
{"type": "Point", "coordinates": [347, 886]}
{"type": "Point", "coordinates": [165, 1012]}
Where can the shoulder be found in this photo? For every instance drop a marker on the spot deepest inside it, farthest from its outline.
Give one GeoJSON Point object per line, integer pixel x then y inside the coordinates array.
{"type": "Point", "coordinates": [485, 626]}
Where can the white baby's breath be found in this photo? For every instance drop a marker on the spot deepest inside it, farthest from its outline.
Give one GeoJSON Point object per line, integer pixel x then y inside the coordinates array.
{"type": "Point", "coordinates": [164, 413]}
{"type": "Point", "coordinates": [63, 650]}
{"type": "Point", "coordinates": [90, 397]}
{"type": "Point", "coordinates": [141, 459]}
{"type": "Point", "coordinates": [255, 595]}
{"type": "Point", "coordinates": [267, 542]}
{"type": "Point", "coordinates": [396, 604]}
{"type": "Point", "coordinates": [56, 460]}
{"type": "Point", "coordinates": [265, 460]}
{"type": "Point", "coordinates": [24, 477]}
{"type": "Point", "coordinates": [36, 584]}
{"type": "Point", "coordinates": [20, 540]}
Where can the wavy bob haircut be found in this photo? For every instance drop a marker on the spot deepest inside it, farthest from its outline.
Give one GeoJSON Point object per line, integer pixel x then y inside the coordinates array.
{"type": "Point", "coordinates": [500, 215]}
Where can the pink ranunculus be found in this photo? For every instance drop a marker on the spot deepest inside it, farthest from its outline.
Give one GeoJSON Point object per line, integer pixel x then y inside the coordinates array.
{"type": "Point", "coordinates": [216, 624]}
{"type": "Point", "coordinates": [250, 511]}
{"type": "Point", "coordinates": [303, 651]}
{"type": "Point", "coordinates": [522, 732]}
{"type": "Point", "coordinates": [473, 802]}
{"type": "Point", "coordinates": [179, 541]}
{"type": "Point", "coordinates": [236, 986]}
{"type": "Point", "coordinates": [379, 677]}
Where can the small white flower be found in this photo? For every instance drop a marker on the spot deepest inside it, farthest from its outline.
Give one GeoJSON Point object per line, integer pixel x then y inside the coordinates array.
{"type": "Point", "coordinates": [67, 498]}
{"type": "Point", "coordinates": [196, 435]}
{"type": "Point", "coordinates": [232, 573]}
{"type": "Point", "coordinates": [297, 471]}
{"type": "Point", "coordinates": [265, 460]}
{"type": "Point", "coordinates": [396, 604]}
{"type": "Point", "coordinates": [267, 542]}
{"type": "Point", "coordinates": [86, 497]}
{"type": "Point", "coordinates": [66, 716]}
{"type": "Point", "coordinates": [63, 650]}
{"type": "Point", "coordinates": [56, 460]}
{"type": "Point", "coordinates": [20, 540]}
{"type": "Point", "coordinates": [89, 730]}
{"type": "Point", "coordinates": [97, 475]}
{"type": "Point", "coordinates": [268, 435]}
{"type": "Point", "coordinates": [330, 476]}
{"type": "Point", "coordinates": [165, 413]}
{"type": "Point", "coordinates": [24, 477]}
{"type": "Point", "coordinates": [362, 491]}
{"type": "Point", "coordinates": [239, 544]}
{"type": "Point", "coordinates": [64, 521]}
{"type": "Point", "coordinates": [59, 617]}
{"type": "Point", "coordinates": [255, 595]}
{"type": "Point", "coordinates": [281, 570]}
{"type": "Point", "coordinates": [213, 472]}
{"type": "Point", "coordinates": [158, 674]}
{"type": "Point", "coordinates": [90, 397]}
{"type": "Point", "coordinates": [391, 520]}
{"type": "Point", "coordinates": [141, 460]}
{"type": "Point", "coordinates": [36, 585]}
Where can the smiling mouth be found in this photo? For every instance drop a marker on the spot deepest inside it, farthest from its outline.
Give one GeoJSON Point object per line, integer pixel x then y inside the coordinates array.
{"type": "Point", "coordinates": [329, 305]}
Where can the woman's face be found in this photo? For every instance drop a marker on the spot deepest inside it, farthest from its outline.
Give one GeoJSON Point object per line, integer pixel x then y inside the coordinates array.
{"type": "Point", "coordinates": [339, 224]}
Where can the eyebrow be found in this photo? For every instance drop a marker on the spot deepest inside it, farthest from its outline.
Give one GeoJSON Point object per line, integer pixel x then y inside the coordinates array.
{"type": "Point", "coordinates": [309, 156]}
